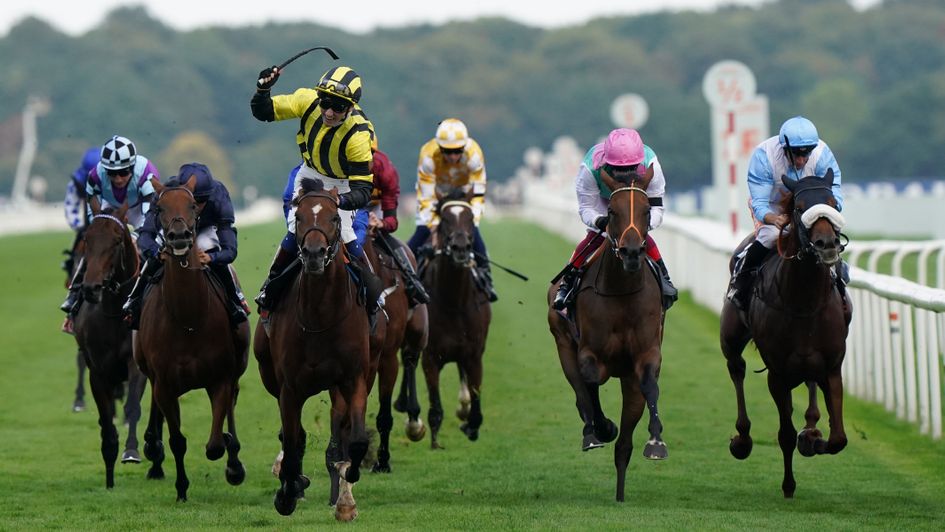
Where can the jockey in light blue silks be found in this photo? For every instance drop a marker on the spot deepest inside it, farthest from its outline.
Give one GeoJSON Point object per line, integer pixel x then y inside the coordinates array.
{"type": "Point", "coordinates": [795, 152]}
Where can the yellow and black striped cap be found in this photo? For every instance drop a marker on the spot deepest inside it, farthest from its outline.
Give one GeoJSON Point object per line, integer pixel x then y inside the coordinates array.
{"type": "Point", "coordinates": [341, 81]}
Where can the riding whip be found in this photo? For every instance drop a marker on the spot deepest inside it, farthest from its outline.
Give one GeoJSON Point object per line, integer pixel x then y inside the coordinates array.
{"type": "Point", "coordinates": [328, 50]}
{"type": "Point", "coordinates": [497, 265]}
{"type": "Point", "coordinates": [570, 265]}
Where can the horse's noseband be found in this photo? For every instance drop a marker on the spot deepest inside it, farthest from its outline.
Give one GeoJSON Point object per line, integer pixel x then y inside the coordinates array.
{"type": "Point", "coordinates": [805, 246]}
{"type": "Point", "coordinates": [333, 244]}
{"type": "Point", "coordinates": [188, 234]}
{"type": "Point", "coordinates": [615, 241]}
{"type": "Point", "coordinates": [109, 283]}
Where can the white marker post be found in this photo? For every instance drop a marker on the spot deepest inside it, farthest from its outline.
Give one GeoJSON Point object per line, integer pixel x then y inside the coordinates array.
{"type": "Point", "coordinates": [739, 123]}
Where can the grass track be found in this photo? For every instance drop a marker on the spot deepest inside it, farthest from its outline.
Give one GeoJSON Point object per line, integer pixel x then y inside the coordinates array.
{"type": "Point", "coordinates": [525, 472]}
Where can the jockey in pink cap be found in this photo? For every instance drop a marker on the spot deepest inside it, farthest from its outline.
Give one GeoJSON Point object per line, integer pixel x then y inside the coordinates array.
{"type": "Point", "coordinates": [622, 151]}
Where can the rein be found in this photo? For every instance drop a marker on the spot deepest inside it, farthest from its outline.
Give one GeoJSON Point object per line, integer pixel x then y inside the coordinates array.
{"type": "Point", "coordinates": [336, 244]}
{"type": "Point", "coordinates": [615, 241]}
{"type": "Point", "coordinates": [112, 285]}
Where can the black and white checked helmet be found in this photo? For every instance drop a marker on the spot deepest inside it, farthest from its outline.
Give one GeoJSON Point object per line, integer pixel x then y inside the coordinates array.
{"type": "Point", "coordinates": [118, 153]}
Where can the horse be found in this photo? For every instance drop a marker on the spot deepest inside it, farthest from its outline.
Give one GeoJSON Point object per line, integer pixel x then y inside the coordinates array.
{"type": "Point", "coordinates": [318, 339]}
{"type": "Point", "coordinates": [459, 315]}
{"type": "Point", "coordinates": [405, 330]}
{"type": "Point", "coordinates": [111, 268]}
{"type": "Point", "coordinates": [799, 322]}
{"type": "Point", "coordinates": [617, 330]}
{"type": "Point", "coordinates": [185, 342]}
{"type": "Point", "coordinates": [71, 265]}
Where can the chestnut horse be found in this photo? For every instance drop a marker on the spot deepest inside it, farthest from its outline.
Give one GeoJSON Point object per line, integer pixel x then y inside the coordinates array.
{"type": "Point", "coordinates": [185, 342]}
{"type": "Point", "coordinates": [405, 331]}
{"type": "Point", "coordinates": [459, 315]}
{"type": "Point", "coordinates": [317, 339]}
{"type": "Point", "coordinates": [617, 330]}
{"type": "Point", "coordinates": [111, 268]}
{"type": "Point", "coordinates": [799, 323]}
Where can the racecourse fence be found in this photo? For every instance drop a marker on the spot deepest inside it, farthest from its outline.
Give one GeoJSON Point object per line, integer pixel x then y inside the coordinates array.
{"type": "Point", "coordinates": [895, 346]}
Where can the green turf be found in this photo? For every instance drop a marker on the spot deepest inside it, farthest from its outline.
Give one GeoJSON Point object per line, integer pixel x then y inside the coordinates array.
{"type": "Point", "coordinates": [525, 472]}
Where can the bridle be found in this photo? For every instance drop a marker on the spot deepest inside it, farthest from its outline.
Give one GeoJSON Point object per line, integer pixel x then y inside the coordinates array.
{"type": "Point", "coordinates": [179, 221]}
{"type": "Point", "coordinates": [334, 244]}
{"type": "Point", "coordinates": [805, 246]}
{"type": "Point", "coordinates": [615, 241]}
{"type": "Point", "coordinates": [448, 241]}
{"type": "Point", "coordinates": [110, 284]}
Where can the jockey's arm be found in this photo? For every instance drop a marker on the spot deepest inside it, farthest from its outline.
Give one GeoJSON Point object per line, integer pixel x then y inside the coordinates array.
{"type": "Point", "coordinates": [591, 205]}
{"type": "Point", "coordinates": [261, 105]}
{"type": "Point", "coordinates": [223, 220]}
{"type": "Point", "coordinates": [655, 191]}
{"type": "Point", "coordinates": [760, 183]}
{"type": "Point", "coordinates": [426, 190]}
{"type": "Point", "coordinates": [147, 235]}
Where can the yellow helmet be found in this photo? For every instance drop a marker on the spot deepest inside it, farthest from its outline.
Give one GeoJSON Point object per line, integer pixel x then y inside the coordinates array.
{"type": "Point", "coordinates": [451, 134]}
{"type": "Point", "coordinates": [341, 82]}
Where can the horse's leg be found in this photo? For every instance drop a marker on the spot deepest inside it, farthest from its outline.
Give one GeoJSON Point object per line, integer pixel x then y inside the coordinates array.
{"type": "Point", "coordinates": [387, 379]}
{"type": "Point", "coordinates": [334, 452]}
{"type": "Point", "coordinates": [648, 374]}
{"type": "Point", "coordinates": [605, 430]}
{"type": "Point", "coordinates": [473, 381]}
{"type": "Point", "coordinates": [293, 447]}
{"type": "Point", "coordinates": [810, 440]}
{"type": "Point", "coordinates": [733, 337]}
{"type": "Point", "coordinates": [431, 371]}
{"type": "Point", "coordinates": [408, 401]}
{"type": "Point", "coordinates": [787, 435]}
{"type": "Point", "coordinates": [153, 446]}
{"type": "Point", "coordinates": [629, 417]}
{"type": "Point", "coordinates": [102, 392]}
{"type": "Point", "coordinates": [78, 405]}
{"type": "Point", "coordinates": [356, 443]}
{"type": "Point", "coordinates": [169, 405]}
{"type": "Point", "coordinates": [136, 383]}
{"type": "Point", "coordinates": [567, 356]}
{"type": "Point", "coordinates": [464, 397]}
{"type": "Point", "coordinates": [833, 397]}
{"type": "Point", "coordinates": [221, 403]}
{"type": "Point", "coordinates": [235, 473]}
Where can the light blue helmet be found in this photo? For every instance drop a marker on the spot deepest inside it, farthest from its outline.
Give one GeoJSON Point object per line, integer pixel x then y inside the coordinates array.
{"type": "Point", "coordinates": [797, 132]}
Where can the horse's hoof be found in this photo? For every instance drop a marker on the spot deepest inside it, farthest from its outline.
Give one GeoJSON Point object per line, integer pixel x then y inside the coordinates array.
{"type": "Point", "coordinates": [215, 452]}
{"type": "Point", "coordinates": [284, 505]}
{"type": "Point", "coordinates": [655, 450]}
{"type": "Point", "coordinates": [416, 430]}
{"type": "Point", "coordinates": [608, 432]}
{"type": "Point", "coordinates": [154, 451]}
{"type": "Point", "coordinates": [590, 442]}
{"type": "Point", "coordinates": [130, 456]}
{"type": "Point", "coordinates": [400, 405]}
{"type": "Point", "coordinates": [471, 433]}
{"type": "Point", "coordinates": [155, 473]}
{"type": "Point", "coordinates": [346, 512]}
{"type": "Point", "coordinates": [352, 475]}
{"type": "Point", "coordinates": [236, 474]}
{"type": "Point", "coordinates": [462, 412]}
{"type": "Point", "coordinates": [78, 406]}
{"type": "Point", "coordinates": [435, 445]}
{"type": "Point", "coordinates": [740, 448]}
{"type": "Point", "coordinates": [379, 468]}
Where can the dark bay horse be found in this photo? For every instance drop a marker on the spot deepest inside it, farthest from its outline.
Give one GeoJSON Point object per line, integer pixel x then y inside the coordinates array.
{"type": "Point", "coordinates": [799, 323]}
{"type": "Point", "coordinates": [111, 268]}
{"type": "Point", "coordinates": [71, 266]}
{"type": "Point", "coordinates": [318, 339]}
{"type": "Point", "coordinates": [617, 330]}
{"type": "Point", "coordinates": [185, 342]}
{"type": "Point", "coordinates": [405, 330]}
{"type": "Point", "coordinates": [459, 315]}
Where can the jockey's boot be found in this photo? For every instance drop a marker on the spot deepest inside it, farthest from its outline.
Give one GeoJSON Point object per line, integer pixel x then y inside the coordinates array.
{"type": "Point", "coordinates": [742, 280]}
{"type": "Point", "coordinates": [413, 286]}
{"type": "Point", "coordinates": [234, 301]}
{"type": "Point", "coordinates": [132, 307]}
{"type": "Point", "coordinates": [280, 273]}
{"type": "Point", "coordinates": [71, 304]}
{"type": "Point", "coordinates": [371, 286]}
{"type": "Point", "coordinates": [670, 294]}
{"type": "Point", "coordinates": [484, 280]}
{"type": "Point", "coordinates": [563, 295]}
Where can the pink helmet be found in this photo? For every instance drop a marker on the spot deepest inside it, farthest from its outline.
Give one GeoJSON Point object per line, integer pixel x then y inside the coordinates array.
{"type": "Point", "coordinates": [623, 147]}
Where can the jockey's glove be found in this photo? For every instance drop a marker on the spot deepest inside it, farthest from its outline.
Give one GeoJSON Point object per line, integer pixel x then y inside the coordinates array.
{"type": "Point", "coordinates": [359, 196]}
{"type": "Point", "coordinates": [265, 73]}
{"type": "Point", "coordinates": [601, 222]}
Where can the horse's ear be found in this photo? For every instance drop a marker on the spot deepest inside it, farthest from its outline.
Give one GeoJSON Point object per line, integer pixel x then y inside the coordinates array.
{"type": "Point", "coordinates": [608, 180]}
{"type": "Point", "coordinates": [95, 207]}
{"type": "Point", "coordinates": [648, 176]}
{"type": "Point", "coordinates": [469, 195]}
{"type": "Point", "coordinates": [789, 183]}
{"type": "Point", "coordinates": [828, 177]}
{"type": "Point", "coordinates": [438, 195]}
{"type": "Point", "coordinates": [158, 187]}
{"type": "Point", "coordinates": [191, 183]}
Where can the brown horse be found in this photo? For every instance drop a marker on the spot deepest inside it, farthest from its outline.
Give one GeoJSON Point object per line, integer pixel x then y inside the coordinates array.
{"type": "Point", "coordinates": [617, 330]}
{"type": "Point", "coordinates": [317, 340]}
{"type": "Point", "coordinates": [111, 268]}
{"type": "Point", "coordinates": [185, 342]}
{"type": "Point", "coordinates": [71, 265]}
{"type": "Point", "coordinates": [459, 315]}
{"type": "Point", "coordinates": [406, 331]}
{"type": "Point", "coordinates": [799, 322]}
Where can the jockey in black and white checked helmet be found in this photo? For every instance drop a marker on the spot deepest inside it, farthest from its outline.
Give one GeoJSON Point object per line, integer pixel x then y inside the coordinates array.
{"type": "Point", "coordinates": [118, 153]}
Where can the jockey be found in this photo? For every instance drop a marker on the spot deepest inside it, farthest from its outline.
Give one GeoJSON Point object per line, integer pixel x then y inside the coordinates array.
{"type": "Point", "coordinates": [335, 140]}
{"type": "Point", "coordinates": [216, 242]}
{"type": "Point", "coordinates": [74, 203]}
{"type": "Point", "coordinates": [796, 152]}
{"type": "Point", "coordinates": [452, 159]}
{"type": "Point", "coordinates": [623, 151]}
{"type": "Point", "coordinates": [128, 181]}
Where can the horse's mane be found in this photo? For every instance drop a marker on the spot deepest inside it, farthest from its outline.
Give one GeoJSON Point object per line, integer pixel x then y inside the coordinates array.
{"type": "Point", "coordinates": [786, 203]}
{"type": "Point", "coordinates": [311, 185]}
